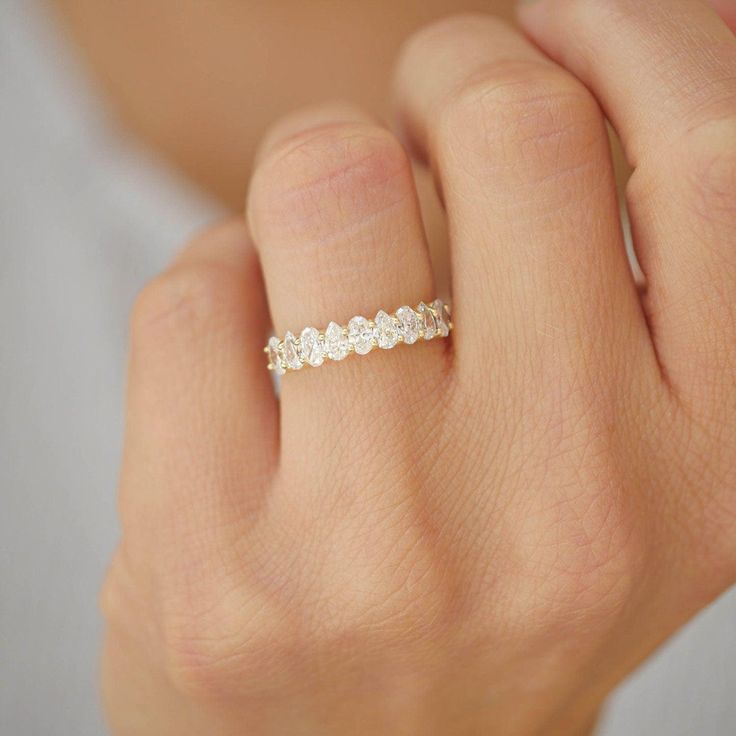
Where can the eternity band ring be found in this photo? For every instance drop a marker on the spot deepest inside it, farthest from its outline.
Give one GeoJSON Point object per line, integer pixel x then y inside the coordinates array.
{"type": "Point", "coordinates": [312, 347]}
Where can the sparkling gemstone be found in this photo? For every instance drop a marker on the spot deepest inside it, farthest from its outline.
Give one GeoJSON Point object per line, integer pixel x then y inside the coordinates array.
{"type": "Point", "coordinates": [443, 319]}
{"type": "Point", "coordinates": [336, 343]}
{"type": "Point", "coordinates": [387, 331]}
{"type": "Point", "coordinates": [273, 356]}
{"type": "Point", "coordinates": [291, 355]}
{"type": "Point", "coordinates": [360, 334]}
{"type": "Point", "coordinates": [311, 348]}
{"type": "Point", "coordinates": [408, 324]}
{"type": "Point", "coordinates": [429, 324]}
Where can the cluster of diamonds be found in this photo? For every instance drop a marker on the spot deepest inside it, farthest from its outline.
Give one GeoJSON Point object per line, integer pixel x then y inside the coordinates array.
{"type": "Point", "coordinates": [360, 336]}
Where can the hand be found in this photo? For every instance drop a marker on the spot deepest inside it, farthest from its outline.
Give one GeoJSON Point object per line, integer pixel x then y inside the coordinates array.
{"type": "Point", "coordinates": [475, 535]}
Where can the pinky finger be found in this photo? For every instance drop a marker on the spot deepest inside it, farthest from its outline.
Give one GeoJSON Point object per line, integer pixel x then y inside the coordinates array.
{"type": "Point", "coordinates": [202, 418]}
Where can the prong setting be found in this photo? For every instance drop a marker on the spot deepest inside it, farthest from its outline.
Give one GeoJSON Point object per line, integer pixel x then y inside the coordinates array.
{"type": "Point", "coordinates": [360, 335]}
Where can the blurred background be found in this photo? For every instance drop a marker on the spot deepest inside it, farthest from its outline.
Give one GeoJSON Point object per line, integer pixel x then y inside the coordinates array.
{"type": "Point", "coordinates": [125, 127]}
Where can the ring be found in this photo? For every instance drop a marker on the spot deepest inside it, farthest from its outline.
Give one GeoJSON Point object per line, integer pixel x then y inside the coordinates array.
{"type": "Point", "coordinates": [359, 336]}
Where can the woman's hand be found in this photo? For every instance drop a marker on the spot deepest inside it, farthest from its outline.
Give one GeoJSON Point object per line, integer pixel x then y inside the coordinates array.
{"type": "Point", "coordinates": [467, 536]}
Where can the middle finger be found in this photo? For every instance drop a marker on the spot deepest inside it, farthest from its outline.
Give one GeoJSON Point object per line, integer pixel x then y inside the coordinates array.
{"type": "Point", "coordinates": [520, 149]}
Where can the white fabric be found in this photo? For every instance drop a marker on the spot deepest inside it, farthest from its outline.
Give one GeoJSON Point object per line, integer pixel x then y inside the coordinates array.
{"type": "Point", "coordinates": [85, 218]}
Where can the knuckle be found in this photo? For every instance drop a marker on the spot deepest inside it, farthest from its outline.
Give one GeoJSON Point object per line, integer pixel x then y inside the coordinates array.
{"type": "Point", "coordinates": [338, 163]}
{"type": "Point", "coordinates": [578, 549]}
{"type": "Point", "coordinates": [226, 644]}
{"type": "Point", "coordinates": [518, 111]}
{"type": "Point", "coordinates": [186, 298]}
{"type": "Point", "coordinates": [200, 667]}
{"type": "Point", "coordinates": [585, 573]}
{"type": "Point", "coordinates": [394, 591]}
{"type": "Point", "coordinates": [199, 663]}
{"type": "Point", "coordinates": [400, 610]}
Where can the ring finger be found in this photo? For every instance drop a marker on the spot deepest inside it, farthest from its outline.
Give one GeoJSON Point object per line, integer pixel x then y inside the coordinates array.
{"type": "Point", "coordinates": [334, 212]}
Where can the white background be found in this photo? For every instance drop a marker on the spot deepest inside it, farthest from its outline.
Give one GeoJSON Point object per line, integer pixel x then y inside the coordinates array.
{"type": "Point", "coordinates": [85, 219]}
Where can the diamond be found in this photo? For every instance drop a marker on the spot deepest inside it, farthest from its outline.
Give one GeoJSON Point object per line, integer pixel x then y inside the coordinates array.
{"type": "Point", "coordinates": [408, 324]}
{"type": "Point", "coordinates": [387, 331]}
{"type": "Point", "coordinates": [311, 348]}
{"type": "Point", "coordinates": [336, 343]}
{"type": "Point", "coordinates": [274, 358]}
{"type": "Point", "coordinates": [429, 324]}
{"type": "Point", "coordinates": [443, 318]}
{"type": "Point", "coordinates": [291, 354]}
{"type": "Point", "coordinates": [361, 335]}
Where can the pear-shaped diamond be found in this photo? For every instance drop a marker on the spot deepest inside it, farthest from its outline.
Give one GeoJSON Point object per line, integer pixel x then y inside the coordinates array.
{"type": "Point", "coordinates": [442, 316]}
{"type": "Point", "coordinates": [336, 343]}
{"type": "Point", "coordinates": [429, 324]}
{"type": "Point", "coordinates": [387, 331]}
{"type": "Point", "coordinates": [408, 324]}
{"type": "Point", "coordinates": [311, 348]}
{"type": "Point", "coordinates": [361, 335]}
{"type": "Point", "coordinates": [291, 354]}
{"type": "Point", "coordinates": [274, 358]}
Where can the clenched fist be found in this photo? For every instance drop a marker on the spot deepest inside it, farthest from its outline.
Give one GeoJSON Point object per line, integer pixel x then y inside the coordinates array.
{"type": "Point", "coordinates": [473, 535]}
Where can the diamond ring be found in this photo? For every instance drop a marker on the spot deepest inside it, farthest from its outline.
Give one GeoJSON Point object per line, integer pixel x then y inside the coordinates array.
{"type": "Point", "coordinates": [360, 335]}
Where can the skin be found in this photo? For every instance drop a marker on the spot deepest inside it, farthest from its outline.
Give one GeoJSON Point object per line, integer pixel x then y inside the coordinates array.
{"type": "Point", "coordinates": [202, 82]}
{"type": "Point", "coordinates": [475, 535]}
